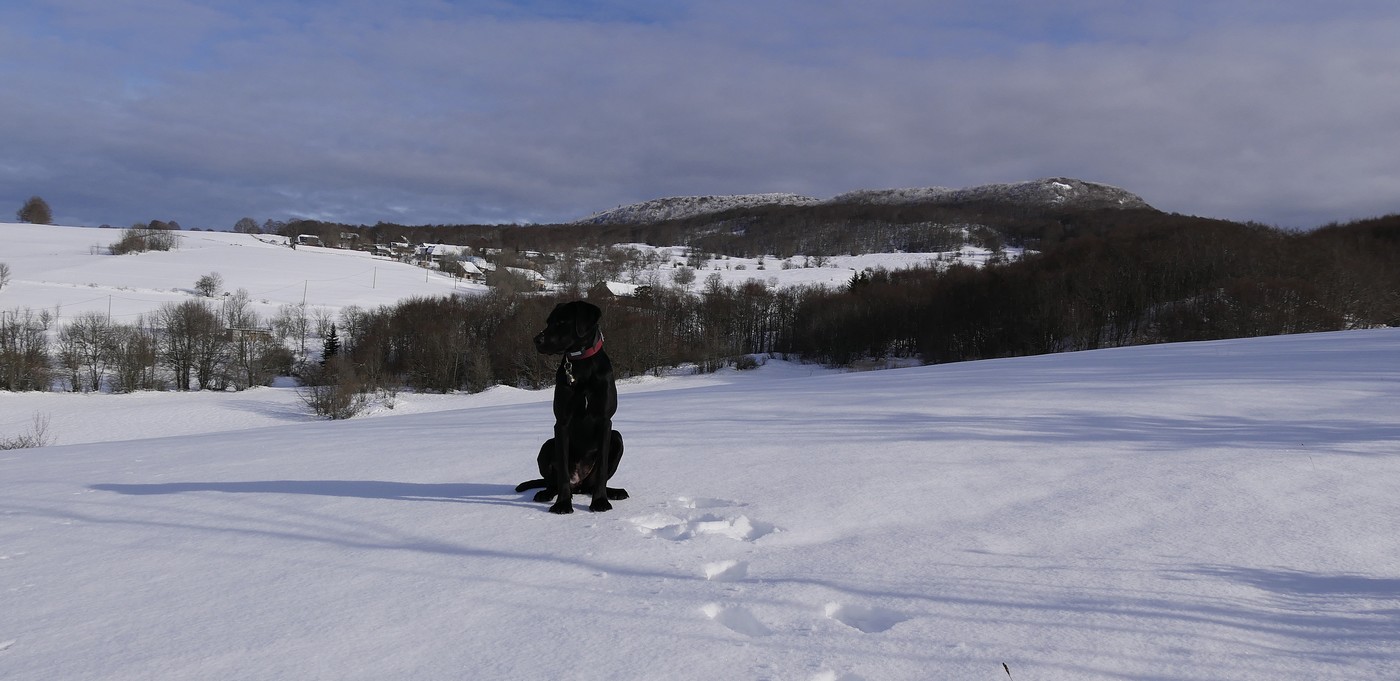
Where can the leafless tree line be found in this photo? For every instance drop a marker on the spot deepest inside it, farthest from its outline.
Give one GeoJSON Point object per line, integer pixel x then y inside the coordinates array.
{"type": "Point", "coordinates": [192, 345]}
{"type": "Point", "coordinates": [142, 237]}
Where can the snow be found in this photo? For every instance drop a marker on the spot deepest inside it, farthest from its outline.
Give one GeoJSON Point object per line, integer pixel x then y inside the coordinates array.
{"type": "Point", "coordinates": [832, 272]}
{"type": "Point", "coordinates": [1221, 510]}
{"type": "Point", "coordinates": [67, 270]}
{"type": "Point", "coordinates": [1224, 510]}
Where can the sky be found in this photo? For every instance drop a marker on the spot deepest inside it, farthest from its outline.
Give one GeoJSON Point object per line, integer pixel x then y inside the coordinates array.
{"type": "Point", "coordinates": [537, 111]}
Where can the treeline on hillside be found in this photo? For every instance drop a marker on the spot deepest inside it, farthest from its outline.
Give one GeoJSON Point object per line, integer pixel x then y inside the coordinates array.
{"type": "Point", "coordinates": [470, 343]}
{"type": "Point", "coordinates": [1107, 280]}
{"type": "Point", "coordinates": [1119, 284]}
{"type": "Point", "coordinates": [849, 228]}
{"type": "Point", "coordinates": [781, 231]}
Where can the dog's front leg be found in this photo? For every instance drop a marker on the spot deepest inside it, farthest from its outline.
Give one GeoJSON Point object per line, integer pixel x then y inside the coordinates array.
{"type": "Point", "coordinates": [600, 470]}
{"type": "Point", "coordinates": [561, 483]}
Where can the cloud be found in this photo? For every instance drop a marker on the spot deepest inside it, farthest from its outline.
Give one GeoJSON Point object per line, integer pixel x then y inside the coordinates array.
{"type": "Point", "coordinates": [434, 112]}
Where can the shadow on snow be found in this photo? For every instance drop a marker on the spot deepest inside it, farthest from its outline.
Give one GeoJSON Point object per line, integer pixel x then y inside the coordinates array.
{"type": "Point", "coordinates": [358, 489]}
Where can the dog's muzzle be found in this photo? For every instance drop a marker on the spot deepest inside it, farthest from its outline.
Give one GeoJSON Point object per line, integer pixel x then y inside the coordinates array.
{"type": "Point", "coordinates": [547, 345]}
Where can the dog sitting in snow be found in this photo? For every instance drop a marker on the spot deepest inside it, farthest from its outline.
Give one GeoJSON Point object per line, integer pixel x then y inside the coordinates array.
{"type": "Point", "coordinates": [585, 450]}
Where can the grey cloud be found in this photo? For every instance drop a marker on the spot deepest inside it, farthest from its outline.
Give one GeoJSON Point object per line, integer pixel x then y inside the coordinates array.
{"type": "Point", "coordinates": [433, 117]}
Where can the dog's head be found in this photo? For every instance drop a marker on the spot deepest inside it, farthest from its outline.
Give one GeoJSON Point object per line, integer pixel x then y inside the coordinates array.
{"type": "Point", "coordinates": [570, 327]}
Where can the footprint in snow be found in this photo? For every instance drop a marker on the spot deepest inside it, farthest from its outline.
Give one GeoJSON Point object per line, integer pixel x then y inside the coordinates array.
{"type": "Point", "coordinates": [706, 502]}
{"type": "Point", "coordinates": [667, 526]}
{"type": "Point", "coordinates": [726, 570]}
{"type": "Point", "coordinates": [865, 618]}
{"type": "Point", "coordinates": [736, 619]}
{"type": "Point", "coordinates": [829, 675]}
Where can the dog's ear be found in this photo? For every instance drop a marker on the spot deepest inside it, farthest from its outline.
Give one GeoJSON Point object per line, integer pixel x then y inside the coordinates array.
{"type": "Point", "coordinates": [588, 317]}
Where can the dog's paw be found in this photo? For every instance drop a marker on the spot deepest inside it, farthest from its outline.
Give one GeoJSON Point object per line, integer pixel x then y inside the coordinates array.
{"type": "Point", "coordinates": [617, 493]}
{"type": "Point", "coordinates": [600, 505]}
{"type": "Point", "coordinates": [562, 507]}
{"type": "Point", "coordinates": [544, 496]}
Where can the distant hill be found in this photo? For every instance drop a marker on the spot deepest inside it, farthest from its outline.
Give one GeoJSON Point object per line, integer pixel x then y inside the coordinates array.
{"type": "Point", "coordinates": [686, 207]}
{"type": "Point", "coordinates": [1056, 192]}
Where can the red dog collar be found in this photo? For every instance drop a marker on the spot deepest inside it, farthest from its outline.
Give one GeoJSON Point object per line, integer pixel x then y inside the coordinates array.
{"type": "Point", "coordinates": [585, 354]}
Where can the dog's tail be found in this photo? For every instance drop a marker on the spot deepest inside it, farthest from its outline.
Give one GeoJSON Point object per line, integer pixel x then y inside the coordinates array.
{"type": "Point", "coordinates": [531, 484]}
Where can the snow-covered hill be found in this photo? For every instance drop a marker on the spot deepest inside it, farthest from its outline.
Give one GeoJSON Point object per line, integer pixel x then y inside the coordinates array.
{"type": "Point", "coordinates": [1057, 191]}
{"type": "Point", "coordinates": [680, 207]}
{"type": "Point", "coordinates": [831, 272]}
{"type": "Point", "coordinates": [1219, 510]}
{"type": "Point", "coordinates": [1223, 511]}
{"type": "Point", "coordinates": [66, 270]}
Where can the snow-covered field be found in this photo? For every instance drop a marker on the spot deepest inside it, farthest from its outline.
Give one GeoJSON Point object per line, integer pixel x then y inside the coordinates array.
{"type": "Point", "coordinates": [67, 270]}
{"type": "Point", "coordinates": [1222, 510]}
{"type": "Point", "coordinates": [832, 271]}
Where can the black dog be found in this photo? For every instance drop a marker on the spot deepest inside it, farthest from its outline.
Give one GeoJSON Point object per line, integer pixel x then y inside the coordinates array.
{"type": "Point", "coordinates": [585, 450]}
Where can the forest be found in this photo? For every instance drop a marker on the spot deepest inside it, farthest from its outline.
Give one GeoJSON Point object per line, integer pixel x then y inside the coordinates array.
{"type": "Point", "coordinates": [1096, 279]}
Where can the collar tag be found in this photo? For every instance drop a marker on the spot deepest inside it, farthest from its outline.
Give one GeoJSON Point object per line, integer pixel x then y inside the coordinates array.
{"type": "Point", "coordinates": [585, 354]}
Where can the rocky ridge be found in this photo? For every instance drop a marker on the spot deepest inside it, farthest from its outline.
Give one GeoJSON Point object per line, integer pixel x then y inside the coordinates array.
{"type": "Point", "coordinates": [1055, 191]}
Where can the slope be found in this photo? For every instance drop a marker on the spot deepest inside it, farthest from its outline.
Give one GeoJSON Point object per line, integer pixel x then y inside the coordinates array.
{"type": "Point", "coordinates": [68, 269]}
{"type": "Point", "coordinates": [1221, 510]}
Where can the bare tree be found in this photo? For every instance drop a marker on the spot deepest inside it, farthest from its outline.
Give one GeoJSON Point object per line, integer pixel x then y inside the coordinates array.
{"type": "Point", "coordinates": [211, 353]}
{"type": "Point", "coordinates": [210, 284]}
{"type": "Point", "coordinates": [84, 347]}
{"type": "Point", "coordinates": [255, 356]}
{"type": "Point", "coordinates": [238, 310]}
{"type": "Point", "coordinates": [324, 319]}
{"type": "Point", "coordinates": [4, 274]}
{"type": "Point", "coordinates": [24, 351]}
{"type": "Point", "coordinates": [192, 344]}
{"type": "Point", "coordinates": [353, 319]}
{"type": "Point", "coordinates": [134, 353]}
{"type": "Point", "coordinates": [291, 322]}
{"type": "Point", "coordinates": [335, 392]}
{"type": "Point", "coordinates": [142, 237]}
{"type": "Point", "coordinates": [683, 277]}
{"type": "Point", "coordinates": [36, 436]}
{"type": "Point", "coordinates": [604, 267]}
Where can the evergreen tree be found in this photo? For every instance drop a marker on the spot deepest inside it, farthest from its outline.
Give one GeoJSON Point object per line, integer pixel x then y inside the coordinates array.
{"type": "Point", "coordinates": [330, 346]}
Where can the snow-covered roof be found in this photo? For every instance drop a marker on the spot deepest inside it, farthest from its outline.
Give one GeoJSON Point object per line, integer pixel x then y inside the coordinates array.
{"type": "Point", "coordinates": [443, 250]}
{"type": "Point", "coordinates": [530, 274]}
{"type": "Point", "coordinates": [618, 288]}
